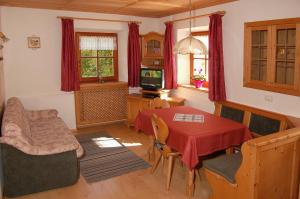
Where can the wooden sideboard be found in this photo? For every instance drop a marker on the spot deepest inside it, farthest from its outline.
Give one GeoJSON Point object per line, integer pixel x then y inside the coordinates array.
{"type": "Point", "coordinates": [100, 103]}
{"type": "Point", "coordinates": [136, 103]}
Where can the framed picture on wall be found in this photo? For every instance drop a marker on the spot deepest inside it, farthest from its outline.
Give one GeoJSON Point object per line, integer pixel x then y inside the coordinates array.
{"type": "Point", "coordinates": [34, 42]}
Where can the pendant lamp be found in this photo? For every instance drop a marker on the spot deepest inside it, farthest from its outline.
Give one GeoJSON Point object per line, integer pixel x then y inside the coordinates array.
{"type": "Point", "coordinates": [190, 45]}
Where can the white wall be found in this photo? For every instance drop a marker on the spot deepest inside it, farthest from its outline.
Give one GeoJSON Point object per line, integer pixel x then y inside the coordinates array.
{"type": "Point", "coordinates": [34, 75]}
{"type": "Point", "coordinates": [237, 13]}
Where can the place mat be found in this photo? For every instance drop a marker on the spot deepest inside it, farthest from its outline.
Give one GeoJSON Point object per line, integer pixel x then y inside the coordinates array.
{"type": "Point", "coordinates": [179, 117]}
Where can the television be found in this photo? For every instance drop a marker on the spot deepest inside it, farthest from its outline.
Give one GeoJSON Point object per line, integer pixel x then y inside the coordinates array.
{"type": "Point", "coordinates": [151, 79]}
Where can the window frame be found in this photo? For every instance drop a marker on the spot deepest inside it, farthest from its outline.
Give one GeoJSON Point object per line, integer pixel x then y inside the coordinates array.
{"type": "Point", "coordinates": [270, 84]}
{"type": "Point", "coordinates": [115, 58]}
{"type": "Point", "coordinates": [199, 33]}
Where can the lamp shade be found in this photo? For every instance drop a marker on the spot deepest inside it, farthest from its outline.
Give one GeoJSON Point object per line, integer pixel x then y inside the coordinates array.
{"type": "Point", "coordinates": [190, 45]}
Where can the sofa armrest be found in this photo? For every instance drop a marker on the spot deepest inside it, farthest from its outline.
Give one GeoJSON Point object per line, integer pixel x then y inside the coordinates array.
{"type": "Point", "coordinates": [41, 114]}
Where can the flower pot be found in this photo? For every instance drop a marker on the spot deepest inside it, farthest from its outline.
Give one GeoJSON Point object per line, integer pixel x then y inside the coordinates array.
{"type": "Point", "coordinates": [198, 83]}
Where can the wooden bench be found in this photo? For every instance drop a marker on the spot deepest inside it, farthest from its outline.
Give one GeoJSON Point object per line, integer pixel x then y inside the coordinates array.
{"type": "Point", "coordinates": [260, 122]}
{"type": "Point", "coordinates": [268, 165]}
{"type": "Point", "coordinates": [268, 168]}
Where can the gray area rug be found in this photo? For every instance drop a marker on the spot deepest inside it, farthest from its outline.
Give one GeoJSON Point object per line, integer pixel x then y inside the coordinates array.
{"type": "Point", "coordinates": [105, 158]}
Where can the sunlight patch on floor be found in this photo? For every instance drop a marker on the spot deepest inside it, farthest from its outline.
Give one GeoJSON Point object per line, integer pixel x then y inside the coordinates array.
{"type": "Point", "coordinates": [104, 142]}
{"type": "Point", "coordinates": [131, 144]}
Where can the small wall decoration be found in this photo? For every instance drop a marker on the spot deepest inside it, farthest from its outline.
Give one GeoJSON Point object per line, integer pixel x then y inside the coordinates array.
{"type": "Point", "coordinates": [3, 39]}
{"type": "Point", "coordinates": [34, 42]}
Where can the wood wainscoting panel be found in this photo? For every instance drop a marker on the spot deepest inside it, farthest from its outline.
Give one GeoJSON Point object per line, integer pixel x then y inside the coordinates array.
{"type": "Point", "coordinates": [101, 103]}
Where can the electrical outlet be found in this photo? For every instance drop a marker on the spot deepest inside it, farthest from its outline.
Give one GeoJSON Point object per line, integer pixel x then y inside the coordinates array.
{"type": "Point", "coordinates": [268, 98]}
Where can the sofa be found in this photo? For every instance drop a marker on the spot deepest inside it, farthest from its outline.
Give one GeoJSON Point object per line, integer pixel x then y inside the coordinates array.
{"type": "Point", "coordinates": [38, 151]}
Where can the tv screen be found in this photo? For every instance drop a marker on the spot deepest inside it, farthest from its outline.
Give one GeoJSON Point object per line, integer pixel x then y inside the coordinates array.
{"type": "Point", "coordinates": [151, 79]}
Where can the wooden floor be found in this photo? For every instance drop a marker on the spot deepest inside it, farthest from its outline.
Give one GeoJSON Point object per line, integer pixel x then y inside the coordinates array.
{"type": "Point", "coordinates": [136, 185]}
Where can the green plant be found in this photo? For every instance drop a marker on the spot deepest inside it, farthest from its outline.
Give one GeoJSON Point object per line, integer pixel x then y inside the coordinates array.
{"type": "Point", "coordinates": [200, 77]}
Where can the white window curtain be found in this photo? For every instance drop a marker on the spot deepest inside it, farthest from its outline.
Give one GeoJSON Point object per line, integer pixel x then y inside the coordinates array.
{"type": "Point", "coordinates": [98, 43]}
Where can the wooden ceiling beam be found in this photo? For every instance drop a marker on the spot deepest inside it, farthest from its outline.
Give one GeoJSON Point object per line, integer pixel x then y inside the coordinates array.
{"type": "Point", "coordinates": [143, 8]}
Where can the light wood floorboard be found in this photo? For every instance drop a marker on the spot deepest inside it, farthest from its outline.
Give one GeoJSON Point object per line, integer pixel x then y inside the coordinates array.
{"type": "Point", "coordinates": [136, 185]}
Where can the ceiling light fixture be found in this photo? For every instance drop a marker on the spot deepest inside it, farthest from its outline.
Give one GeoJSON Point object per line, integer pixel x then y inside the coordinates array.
{"type": "Point", "coordinates": [190, 45]}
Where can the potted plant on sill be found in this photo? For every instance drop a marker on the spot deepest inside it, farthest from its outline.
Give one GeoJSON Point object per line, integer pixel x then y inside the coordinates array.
{"type": "Point", "coordinates": [199, 80]}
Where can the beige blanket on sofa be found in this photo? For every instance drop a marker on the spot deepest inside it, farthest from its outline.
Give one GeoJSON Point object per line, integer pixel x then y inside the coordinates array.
{"type": "Point", "coordinates": [36, 132]}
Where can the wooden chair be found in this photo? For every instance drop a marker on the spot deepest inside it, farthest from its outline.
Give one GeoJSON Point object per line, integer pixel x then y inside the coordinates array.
{"type": "Point", "coordinates": [161, 133]}
{"type": "Point", "coordinates": [267, 167]}
{"type": "Point", "coordinates": [159, 103]}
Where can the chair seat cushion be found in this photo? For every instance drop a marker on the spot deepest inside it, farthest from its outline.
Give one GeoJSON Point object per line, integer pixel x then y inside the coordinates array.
{"type": "Point", "coordinates": [225, 165]}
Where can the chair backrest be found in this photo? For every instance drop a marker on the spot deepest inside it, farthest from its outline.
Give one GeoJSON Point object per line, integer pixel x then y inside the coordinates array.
{"type": "Point", "coordinates": [232, 113]}
{"type": "Point", "coordinates": [263, 125]}
{"type": "Point", "coordinates": [270, 167]}
{"type": "Point", "coordinates": [159, 103]}
{"type": "Point", "coordinates": [260, 122]}
{"type": "Point", "coordinates": [161, 132]}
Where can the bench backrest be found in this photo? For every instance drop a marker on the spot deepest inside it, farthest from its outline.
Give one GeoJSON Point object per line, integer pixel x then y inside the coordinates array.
{"type": "Point", "coordinates": [270, 167]}
{"type": "Point", "coordinates": [260, 122]}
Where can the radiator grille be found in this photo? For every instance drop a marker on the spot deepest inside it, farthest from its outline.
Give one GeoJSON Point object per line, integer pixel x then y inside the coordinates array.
{"type": "Point", "coordinates": [101, 104]}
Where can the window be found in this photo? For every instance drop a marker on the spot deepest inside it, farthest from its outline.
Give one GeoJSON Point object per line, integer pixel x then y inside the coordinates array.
{"type": "Point", "coordinates": [97, 56]}
{"type": "Point", "coordinates": [271, 59]}
{"type": "Point", "coordinates": [199, 63]}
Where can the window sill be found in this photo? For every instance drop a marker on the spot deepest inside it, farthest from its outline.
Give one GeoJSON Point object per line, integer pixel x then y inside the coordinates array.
{"type": "Point", "coordinates": [188, 86]}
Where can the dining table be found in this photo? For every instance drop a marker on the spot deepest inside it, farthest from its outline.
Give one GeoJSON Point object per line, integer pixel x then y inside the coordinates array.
{"type": "Point", "coordinates": [196, 138]}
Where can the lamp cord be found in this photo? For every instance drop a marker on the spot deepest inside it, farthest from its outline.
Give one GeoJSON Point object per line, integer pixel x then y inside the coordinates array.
{"type": "Point", "coordinates": [190, 17]}
{"type": "Point", "coordinates": [190, 23]}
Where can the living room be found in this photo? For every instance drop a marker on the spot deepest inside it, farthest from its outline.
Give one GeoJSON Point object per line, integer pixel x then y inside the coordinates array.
{"type": "Point", "coordinates": [33, 74]}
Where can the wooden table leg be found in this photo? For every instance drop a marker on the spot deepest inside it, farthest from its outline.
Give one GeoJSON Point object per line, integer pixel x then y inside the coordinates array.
{"type": "Point", "coordinates": [190, 185]}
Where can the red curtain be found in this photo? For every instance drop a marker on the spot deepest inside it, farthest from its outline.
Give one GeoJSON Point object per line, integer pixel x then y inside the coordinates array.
{"type": "Point", "coordinates": [170, 72]}
{"type": "Point", "coordinates": [134, 55]}
{"type": "Point", "coordinates": [69, 70]}
{"type": "Point", "coordinates": [216, 64]}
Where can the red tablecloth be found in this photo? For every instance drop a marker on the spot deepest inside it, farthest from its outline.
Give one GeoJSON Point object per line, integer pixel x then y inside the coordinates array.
{"type": "Point", "coordinates": [194, 139]}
